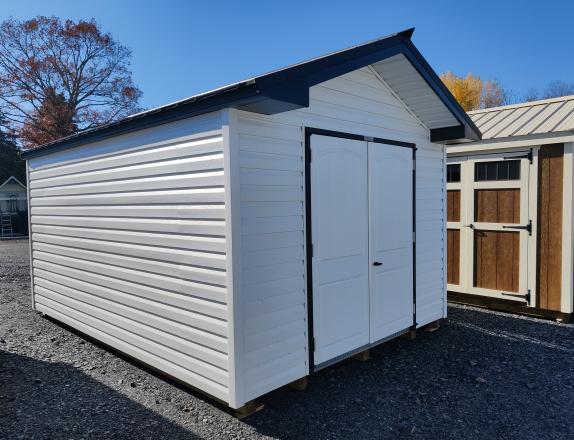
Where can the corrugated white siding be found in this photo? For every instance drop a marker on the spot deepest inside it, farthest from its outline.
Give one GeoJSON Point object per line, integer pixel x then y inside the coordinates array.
{"type": "Point", "coordinates": [128, 240]}
{"type": "Point", "coordinates": [272, 219]}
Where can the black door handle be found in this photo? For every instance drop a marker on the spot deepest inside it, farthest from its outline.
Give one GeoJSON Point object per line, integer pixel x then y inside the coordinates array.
{"type": "Point", "coordinates": [377, 263]}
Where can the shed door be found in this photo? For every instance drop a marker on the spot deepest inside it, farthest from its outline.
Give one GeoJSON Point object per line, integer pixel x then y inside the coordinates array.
{"type": "Point", "coordinates": [361, 229]}
{"type": "Point", "coordinates": [391, 239]}
{"type": "Point", "coordinates": [489, 225]}
{"type": "Point", "coordinates": [340, 229]}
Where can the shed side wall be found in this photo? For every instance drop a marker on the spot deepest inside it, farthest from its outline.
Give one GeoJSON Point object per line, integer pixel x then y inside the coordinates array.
{"type": "Point", "coordinates": [272, 217]}
{"type": "Point", "coordinates": [128, 246]}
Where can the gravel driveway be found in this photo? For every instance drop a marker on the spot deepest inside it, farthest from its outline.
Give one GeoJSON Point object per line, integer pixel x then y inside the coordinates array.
{"type": "Point", "coordinates": [482, 375]}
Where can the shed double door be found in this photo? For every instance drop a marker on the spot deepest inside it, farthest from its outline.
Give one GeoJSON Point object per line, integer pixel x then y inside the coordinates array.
{"type": "Point", "coordinates": [489, 225]}
{"type": "Point", "coordinates": [362, 241]}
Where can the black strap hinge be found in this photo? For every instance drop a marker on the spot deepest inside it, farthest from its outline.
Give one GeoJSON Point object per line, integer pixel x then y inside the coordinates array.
{"type": "Point", "coordinates": [528, 156]}
{"type": "Point", "coordinates": [527, 227]}
{"type": "Point", "coordinates": [526, 296]}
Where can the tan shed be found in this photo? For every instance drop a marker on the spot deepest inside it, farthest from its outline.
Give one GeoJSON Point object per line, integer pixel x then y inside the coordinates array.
{"type": "Point", "coordinates": [509, 210]}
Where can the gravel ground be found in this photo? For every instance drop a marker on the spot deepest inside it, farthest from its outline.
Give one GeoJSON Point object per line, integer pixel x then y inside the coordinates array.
{"type": "Point", "coordinates": [483, 375]}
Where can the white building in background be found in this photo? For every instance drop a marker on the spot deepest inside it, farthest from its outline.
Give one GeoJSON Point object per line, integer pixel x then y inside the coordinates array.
{"type": "Point", "coordinates": [13, 196]}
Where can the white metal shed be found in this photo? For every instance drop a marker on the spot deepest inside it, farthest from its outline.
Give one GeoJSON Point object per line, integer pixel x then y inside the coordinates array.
{"type": "Point", "coordinates": [240, 239]}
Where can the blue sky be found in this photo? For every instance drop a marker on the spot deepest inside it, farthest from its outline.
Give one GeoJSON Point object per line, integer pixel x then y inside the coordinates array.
{"type": "Point", "coordinates": [185, 47]}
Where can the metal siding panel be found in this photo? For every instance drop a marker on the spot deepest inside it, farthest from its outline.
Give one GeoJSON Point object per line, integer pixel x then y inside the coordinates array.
{"type": "Point", "coordinates": [138, 163]}
{"type": "Point", "coordinates": [59, 264]}
{"type": "Point", "coordinates": [173, 212]}
{"type": "Point", "coordinates": [161, 174]}
{"type": "Point", "coordinates": [111, 335]}
{"type": "Point", "coordinates": [185, 241]}
{"type": "Point", "coordinates": [129, 247]}
{"type": "Point", "coordinates": [138, 319]}
{"type": "Point", "coordinates": [134, 291]}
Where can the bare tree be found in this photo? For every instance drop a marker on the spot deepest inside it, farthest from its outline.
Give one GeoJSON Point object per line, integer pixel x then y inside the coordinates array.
{"type": "Point", "coordinates": [60, 77]}
{"type": "Point", "coordinates": [493, 94]}
{"type": "Point", "coordinates": [531, 95]}
{"type": "Point", "coordinates": [558, 88]}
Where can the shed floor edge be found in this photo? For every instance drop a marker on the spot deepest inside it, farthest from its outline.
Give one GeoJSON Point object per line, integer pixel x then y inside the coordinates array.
{"type": "Point", "coordinates": [506, 306]}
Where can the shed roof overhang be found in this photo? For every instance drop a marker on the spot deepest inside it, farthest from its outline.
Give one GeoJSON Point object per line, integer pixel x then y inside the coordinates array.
{"type": "Point", "coordinates": [288, 89]}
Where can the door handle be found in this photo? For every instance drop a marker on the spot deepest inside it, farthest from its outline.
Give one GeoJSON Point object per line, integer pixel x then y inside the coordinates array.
{"type": "Point", "coordinates": [377, 263]}
{"type": "Point", "coordinates": [471, 226]}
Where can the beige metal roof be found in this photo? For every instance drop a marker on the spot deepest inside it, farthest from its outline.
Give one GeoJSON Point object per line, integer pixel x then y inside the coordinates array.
{"type": "Point", "coordinates": [536, 117]}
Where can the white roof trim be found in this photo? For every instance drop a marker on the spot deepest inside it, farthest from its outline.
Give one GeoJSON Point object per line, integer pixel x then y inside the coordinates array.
{"type": "Point", "coordinates": [511, 142]}
{"type": "Point", "coordinates": [10, 179]}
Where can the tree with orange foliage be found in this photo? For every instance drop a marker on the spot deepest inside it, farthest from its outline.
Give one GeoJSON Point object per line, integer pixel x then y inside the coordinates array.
{"type": "Point", "coordinates": [57, 78]}
{"type": "Point", "coordinates": [473, 93]}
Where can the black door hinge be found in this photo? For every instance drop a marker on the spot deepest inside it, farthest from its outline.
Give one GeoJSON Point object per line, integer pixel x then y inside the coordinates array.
{"type": "Point", "coordinates": [527, 227]}
{"type": "Point", "coordinates": [526, 296]}
{"type": "Point", "coordinates": [528, 156]}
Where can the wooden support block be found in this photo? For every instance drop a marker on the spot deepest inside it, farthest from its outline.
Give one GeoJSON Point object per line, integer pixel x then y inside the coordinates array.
{"type": "Point", "coordinates": [363, 356]}
{"type": "Point", "coordinates": [411, 334]}
{"type": "Point", "coordinates": [299, 384]}
{"type": "Point", "coordinates": [432, 327]}
{"type": "Point", "coordinates": [249, 408]}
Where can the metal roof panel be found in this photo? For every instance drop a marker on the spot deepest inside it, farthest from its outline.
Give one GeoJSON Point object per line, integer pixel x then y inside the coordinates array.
{"type": "Point", "coordinates": [537, 117]}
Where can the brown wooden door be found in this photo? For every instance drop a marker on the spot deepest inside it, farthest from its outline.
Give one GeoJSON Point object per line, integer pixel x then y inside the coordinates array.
{"type": "Point", "coordinates": [488, 240]}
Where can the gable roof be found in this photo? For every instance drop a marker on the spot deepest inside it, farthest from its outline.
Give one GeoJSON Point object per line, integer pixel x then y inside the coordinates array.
{"type": "Point", "coordinates": [12, 179]}
{"type": "Point", "coordinates": [288, 89]}
{"type": "Point", "coordinates": [536, 117]}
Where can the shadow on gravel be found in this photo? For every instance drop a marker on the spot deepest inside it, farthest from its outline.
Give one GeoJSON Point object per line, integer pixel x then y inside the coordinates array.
{"type": "Point", "coordinates": [481, 376]}
{"type": "Point", "coordinates": [54, 400]}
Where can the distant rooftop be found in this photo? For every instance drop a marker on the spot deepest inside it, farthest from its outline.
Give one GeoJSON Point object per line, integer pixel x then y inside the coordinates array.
{"type": "Point", "coordinates": [535, 117]}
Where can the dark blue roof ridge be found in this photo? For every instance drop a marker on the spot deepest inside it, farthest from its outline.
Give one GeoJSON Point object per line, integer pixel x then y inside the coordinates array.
{"type": "Point", "coordinates": [273, 92]}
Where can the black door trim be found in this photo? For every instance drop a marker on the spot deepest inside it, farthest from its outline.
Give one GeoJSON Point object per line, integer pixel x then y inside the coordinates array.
{"type": "Point", "coordinates": [309, 131]}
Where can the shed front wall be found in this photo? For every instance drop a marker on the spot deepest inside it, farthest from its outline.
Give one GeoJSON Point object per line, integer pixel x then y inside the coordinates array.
{"type": "Point", "coordinates": [128, 246]}
{"type": "Point", "coordinates": [272, 348]}
{"type": "Point", "coordinates": [511, 145]}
